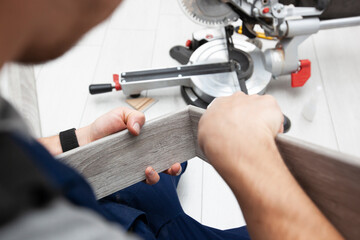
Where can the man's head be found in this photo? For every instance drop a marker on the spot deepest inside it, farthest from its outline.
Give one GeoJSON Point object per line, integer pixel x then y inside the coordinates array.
{"type": "Point", "coordinates": [39, 30]}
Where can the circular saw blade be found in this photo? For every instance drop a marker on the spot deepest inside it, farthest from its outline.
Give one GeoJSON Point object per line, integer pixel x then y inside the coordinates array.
{"type": "Point", "coordinates": [208, 12]}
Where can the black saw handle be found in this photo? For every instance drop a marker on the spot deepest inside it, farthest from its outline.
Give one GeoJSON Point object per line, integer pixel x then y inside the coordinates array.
{"type": "Point", "coordinates": [287, 124]}
{"type": "Point", "coordinates": [100, 88]}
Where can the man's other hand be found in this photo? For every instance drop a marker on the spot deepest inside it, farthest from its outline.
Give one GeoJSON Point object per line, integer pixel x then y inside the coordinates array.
{"type": "Point", "coordinates": [114, 121]}
{"type": "Point", "coordinates": [234, 127]}
{"type": "Point", "coordinates": [237, 136]}
{"type": "Point", "coordinates": [125, 118]}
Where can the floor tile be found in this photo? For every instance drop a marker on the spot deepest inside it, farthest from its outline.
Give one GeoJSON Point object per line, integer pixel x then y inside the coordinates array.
{"type": "Point", "coordinates": [123, 50]}
{"type": "Point", "coordinates": [172, 31]}
{"type": "Point", "coordinates": [62, 89]}
{"type": "Point", "coordinates": [170, 7]}
{"type": "Point", "coordinates": [292, 101]}
{"type": "Point", "coordinates": [190, 189]}
{"type": "Point", "coordinates": [338, 52]}
{"type": "Point", "coordinates": [95, 36]}
{"type": "Point", "coordinates": [37, 70]}
{"type": "Point", "coordinates": [136, 15]}
{"type": "Point", "coordinates": [219, 205]}
{"type": "Point", "coordinates": [168, 100]}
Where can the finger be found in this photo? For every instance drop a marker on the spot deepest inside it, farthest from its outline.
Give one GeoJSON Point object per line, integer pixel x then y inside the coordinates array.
{"type": "Point", "coordinates": [174, 170]}
{"type": "Point", "coordinates": [134, 120]}
{"type": "Point", "coordinates": [281, 130]}
{"type": "Point", "coordinates": [239, 93]}
{"type": "Point", "coordinates": [278, 118]}
{"type": "Point", "coordinates": [152, 176]}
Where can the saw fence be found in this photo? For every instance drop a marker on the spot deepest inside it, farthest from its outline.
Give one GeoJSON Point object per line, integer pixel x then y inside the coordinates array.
{"type": "Point", "coordinates": [331, 179]}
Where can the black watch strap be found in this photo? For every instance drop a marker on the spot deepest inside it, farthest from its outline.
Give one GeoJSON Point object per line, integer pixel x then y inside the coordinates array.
{"type": "Point", "coordinates": [68, 140]}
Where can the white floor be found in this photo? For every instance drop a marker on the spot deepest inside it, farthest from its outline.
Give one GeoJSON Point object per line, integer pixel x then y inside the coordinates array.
{"type": "Point", "coordinates": [139, 35]}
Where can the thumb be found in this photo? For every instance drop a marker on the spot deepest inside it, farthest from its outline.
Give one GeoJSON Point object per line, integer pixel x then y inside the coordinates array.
{"type": "Point", "coordinates": [134, 121]}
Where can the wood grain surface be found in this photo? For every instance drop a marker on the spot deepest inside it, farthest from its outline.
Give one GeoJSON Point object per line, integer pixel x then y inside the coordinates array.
{"type": "Point", "coordinates": [118, 161]}
{"type": "Point", "coordinates": [331, 179]}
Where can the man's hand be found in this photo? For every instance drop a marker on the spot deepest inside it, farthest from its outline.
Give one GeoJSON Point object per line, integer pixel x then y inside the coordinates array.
{"type": "Point", "coordinates": [234, 127]}
{"type": "Point", "coordinates": [237, 136]}
{"type": "Point", "coordinates": [114, 121]}
{"type": "Point", "coordinates": [125, 118]}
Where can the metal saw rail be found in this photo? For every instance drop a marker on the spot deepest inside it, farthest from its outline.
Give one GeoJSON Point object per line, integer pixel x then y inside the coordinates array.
{"type": "Point", "coordinates": [181, 71]}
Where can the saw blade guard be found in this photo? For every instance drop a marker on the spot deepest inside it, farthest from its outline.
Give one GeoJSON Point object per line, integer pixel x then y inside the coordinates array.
{"type": "Point", "coordinates": [210, 13]}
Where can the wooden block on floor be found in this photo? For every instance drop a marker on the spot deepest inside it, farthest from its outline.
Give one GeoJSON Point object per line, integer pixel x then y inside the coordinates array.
{"type": "Point", "coordinates": [141, 104]}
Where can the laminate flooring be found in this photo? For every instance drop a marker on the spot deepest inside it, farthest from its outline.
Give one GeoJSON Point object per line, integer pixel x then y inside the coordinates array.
{"type": "Point", "coordinates": [140, 34]}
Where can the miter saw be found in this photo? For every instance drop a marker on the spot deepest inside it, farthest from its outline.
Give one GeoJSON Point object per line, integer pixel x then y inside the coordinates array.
{"type": "Point", "coordinates": [219, 62]}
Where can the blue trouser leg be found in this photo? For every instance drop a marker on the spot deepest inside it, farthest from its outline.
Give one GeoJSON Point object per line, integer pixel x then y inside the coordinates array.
{"type": "Point", "coordinates": [164, 213]}
{"type": "Point", "coordinates": [160, 202]}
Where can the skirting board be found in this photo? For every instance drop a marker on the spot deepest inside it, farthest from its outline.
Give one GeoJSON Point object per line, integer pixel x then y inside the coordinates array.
{"type": "Point", "coordinates": [331, 179]}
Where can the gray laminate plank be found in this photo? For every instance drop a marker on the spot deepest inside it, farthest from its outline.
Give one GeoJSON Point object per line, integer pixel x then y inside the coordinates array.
{"type": "Point", "coordinates": [331, 179]}
{"type": "Point", "coordinates": [119, 160]}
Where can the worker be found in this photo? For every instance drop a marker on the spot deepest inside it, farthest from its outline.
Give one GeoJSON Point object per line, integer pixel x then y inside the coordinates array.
{"type": "Point", "coordinates": [41, 198]}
